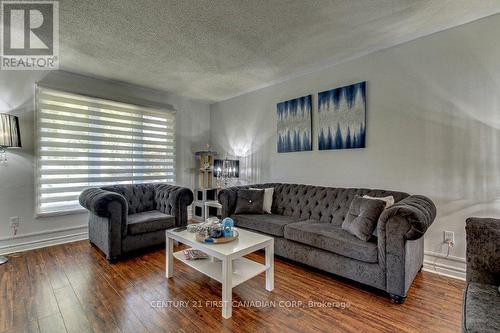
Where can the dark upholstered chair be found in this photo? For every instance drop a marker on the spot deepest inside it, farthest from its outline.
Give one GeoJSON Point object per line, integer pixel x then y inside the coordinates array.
{"type": "Point", "coordinates": [124, 218]}
{"type": "Point", "coordinates": [306, 225]}
{"type": "Point", "coordinates": [481, 307]}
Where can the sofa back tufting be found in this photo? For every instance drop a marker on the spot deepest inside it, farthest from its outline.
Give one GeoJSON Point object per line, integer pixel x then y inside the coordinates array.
{"type": "Point", "coordinates": [165, 198]}
{"type": "Point", "coordinates": [140, 197]}
{"type": "Point", "coordinates": [146, 197]}
{"type": "Point", "coordinates": [324, 204]}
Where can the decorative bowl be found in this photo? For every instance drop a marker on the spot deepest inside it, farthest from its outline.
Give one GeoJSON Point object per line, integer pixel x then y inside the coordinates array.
{"type": "Point", "coordinates": [209, 240]}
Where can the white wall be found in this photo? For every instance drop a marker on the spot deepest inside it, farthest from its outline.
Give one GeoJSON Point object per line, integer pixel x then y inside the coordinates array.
{"type": "Point", "coordinates": [17, 177]}
{"type": "Point", "coordinates": [433, 117]}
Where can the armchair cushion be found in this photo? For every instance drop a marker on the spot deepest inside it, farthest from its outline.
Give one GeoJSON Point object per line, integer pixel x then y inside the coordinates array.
{"type": "Point", "coordinates": [150, 221]}
{"type": "Point", "coordinates": [481, 308]}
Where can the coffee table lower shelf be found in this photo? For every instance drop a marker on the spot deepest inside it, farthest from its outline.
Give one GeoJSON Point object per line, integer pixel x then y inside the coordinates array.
{"type": "Point", "coordinates": [243, 268]}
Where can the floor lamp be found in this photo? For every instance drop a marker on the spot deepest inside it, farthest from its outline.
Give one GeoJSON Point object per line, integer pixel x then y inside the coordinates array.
{"type": "Point", "coordinates": [10, 137]}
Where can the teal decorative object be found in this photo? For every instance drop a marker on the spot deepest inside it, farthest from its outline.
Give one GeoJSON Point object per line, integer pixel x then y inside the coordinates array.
{"type": "Point", "coordinates": [228, 225]}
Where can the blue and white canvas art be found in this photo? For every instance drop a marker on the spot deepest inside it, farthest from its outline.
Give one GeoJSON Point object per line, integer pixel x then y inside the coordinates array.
{"type": "Point", "coordinates": [342, 117]}
{"type": "Point", "coordinates": [294, 125]}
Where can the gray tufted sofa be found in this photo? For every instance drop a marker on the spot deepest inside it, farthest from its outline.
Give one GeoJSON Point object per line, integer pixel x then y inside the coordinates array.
{"type": "Point", "coordinates": [124, 218]}
{"type": "Point", "coordinates": [306, 225]}
{"type": "Point", "coordinates": [481, 307]}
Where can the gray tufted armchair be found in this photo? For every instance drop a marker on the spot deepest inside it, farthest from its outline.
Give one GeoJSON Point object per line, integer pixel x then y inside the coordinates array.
{"type": "Point", "coordinates": [124, 218]}
{"type": "Point", "coordinates": [481, 307]}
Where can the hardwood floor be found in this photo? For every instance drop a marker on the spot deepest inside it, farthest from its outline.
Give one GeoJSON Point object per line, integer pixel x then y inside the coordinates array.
{"type": "Point", "coordinates": [72, 288]}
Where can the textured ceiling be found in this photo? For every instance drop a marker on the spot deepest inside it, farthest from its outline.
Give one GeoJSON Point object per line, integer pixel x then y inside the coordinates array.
{"type": "Point", "coordinates": [213, 50]}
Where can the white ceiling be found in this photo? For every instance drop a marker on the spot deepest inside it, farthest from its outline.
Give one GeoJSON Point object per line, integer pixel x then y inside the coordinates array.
{"type": "Point", "coordinates": [213, 50]}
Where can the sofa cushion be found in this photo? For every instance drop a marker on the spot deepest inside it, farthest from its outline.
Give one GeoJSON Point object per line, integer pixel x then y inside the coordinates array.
{"type": "Point", "coordinates": [481, 308]}
{"type": "Point", "coordinates": [249, 202]}
{"type": "Point", "coordinates": [362, 217]}
{"type": "Point", "coordinates": [267, 223]}
{"type": "Point", "coordinates": [149, 221]}
{"type": "Point", "coordinates": [330, 237]}
{"type": "Point", "coordinates": [268, 198]}
{"type": "Point", "coordinates": [389, 200]}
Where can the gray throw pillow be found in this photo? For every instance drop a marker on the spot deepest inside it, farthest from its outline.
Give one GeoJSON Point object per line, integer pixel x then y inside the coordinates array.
{"type": "Point", "coordinates": [249, 202]}
{"type": "Point", "coordinates": [362, 217]}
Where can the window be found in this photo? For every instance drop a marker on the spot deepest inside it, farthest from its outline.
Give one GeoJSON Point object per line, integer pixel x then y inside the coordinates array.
{"type": "Point", "coordinates": [84, 141]}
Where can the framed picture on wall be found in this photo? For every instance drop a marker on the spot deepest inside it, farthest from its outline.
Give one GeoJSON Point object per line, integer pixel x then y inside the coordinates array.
{"type": "Point", "coordinates": [342, 117]}
{"type": "Point", "coordinates": [294, 125]}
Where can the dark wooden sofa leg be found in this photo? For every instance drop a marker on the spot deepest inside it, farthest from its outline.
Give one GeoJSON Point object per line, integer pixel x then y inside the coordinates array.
{"type": "Point", "coordinates": [113, 260]}
{"type": "Point", "coordinates": [396, 299]}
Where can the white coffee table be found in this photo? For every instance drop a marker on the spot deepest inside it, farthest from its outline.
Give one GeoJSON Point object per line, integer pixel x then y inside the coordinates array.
{"type": "Point", "coordinates": [231, 269]}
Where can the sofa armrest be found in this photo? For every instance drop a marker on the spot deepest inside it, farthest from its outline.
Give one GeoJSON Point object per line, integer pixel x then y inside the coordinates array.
{"type": "Point", "coordinates": [227, 198]}
{"type": "Point", "coordinates": [483, 250]}
{"type": "Point", "coordinates": [400, 248]}
{"type": "Point", "coordinates": [417, 210]}
{"type": "Point", "coordinates": [174, 200]}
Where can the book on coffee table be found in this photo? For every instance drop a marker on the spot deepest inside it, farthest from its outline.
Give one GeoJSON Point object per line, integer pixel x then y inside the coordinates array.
{"type": "Point", "coordinates": [193, 254]}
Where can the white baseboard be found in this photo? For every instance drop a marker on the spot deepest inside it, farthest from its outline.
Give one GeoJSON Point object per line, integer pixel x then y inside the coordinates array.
{"type": "Point", "coordinates": [46, 238]}
{"type": "Point", "coordinates": [449, 266]}
{"type": "Point", "coordinates": [41, 239]}
{"type": "Point", "coordinates": [438, 263]}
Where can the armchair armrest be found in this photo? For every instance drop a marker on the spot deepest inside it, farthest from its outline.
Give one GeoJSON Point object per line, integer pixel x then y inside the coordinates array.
{"type": "Point", "coordinates": [110, 205]}
{"type": "Point", "coordinates": [483, 250]}
{"type": "Point", "coordinates": [97, 201]}
{"type": "Point", "coordinates": [418, 211]}
{"type": "Point", "coordinates": [174, 200]}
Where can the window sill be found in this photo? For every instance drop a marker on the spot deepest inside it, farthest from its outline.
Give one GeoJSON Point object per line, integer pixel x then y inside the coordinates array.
{"type": "Point", "coordinates": [60, 213]}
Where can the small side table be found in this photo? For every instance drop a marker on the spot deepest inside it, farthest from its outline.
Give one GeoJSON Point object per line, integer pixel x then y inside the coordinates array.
{"type": "Point", "coordinates": [213, 204]}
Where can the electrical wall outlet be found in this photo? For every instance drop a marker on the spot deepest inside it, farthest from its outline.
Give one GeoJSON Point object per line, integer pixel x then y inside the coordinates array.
{"type": "Point", "coordinates": [449, 236]}
{"type": "Point", "coordinates": [14, 222]}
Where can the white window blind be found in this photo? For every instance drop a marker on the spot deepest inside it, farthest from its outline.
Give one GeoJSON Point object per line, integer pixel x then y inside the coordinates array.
{"type": "Point", "coordinates": [84, 141]}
